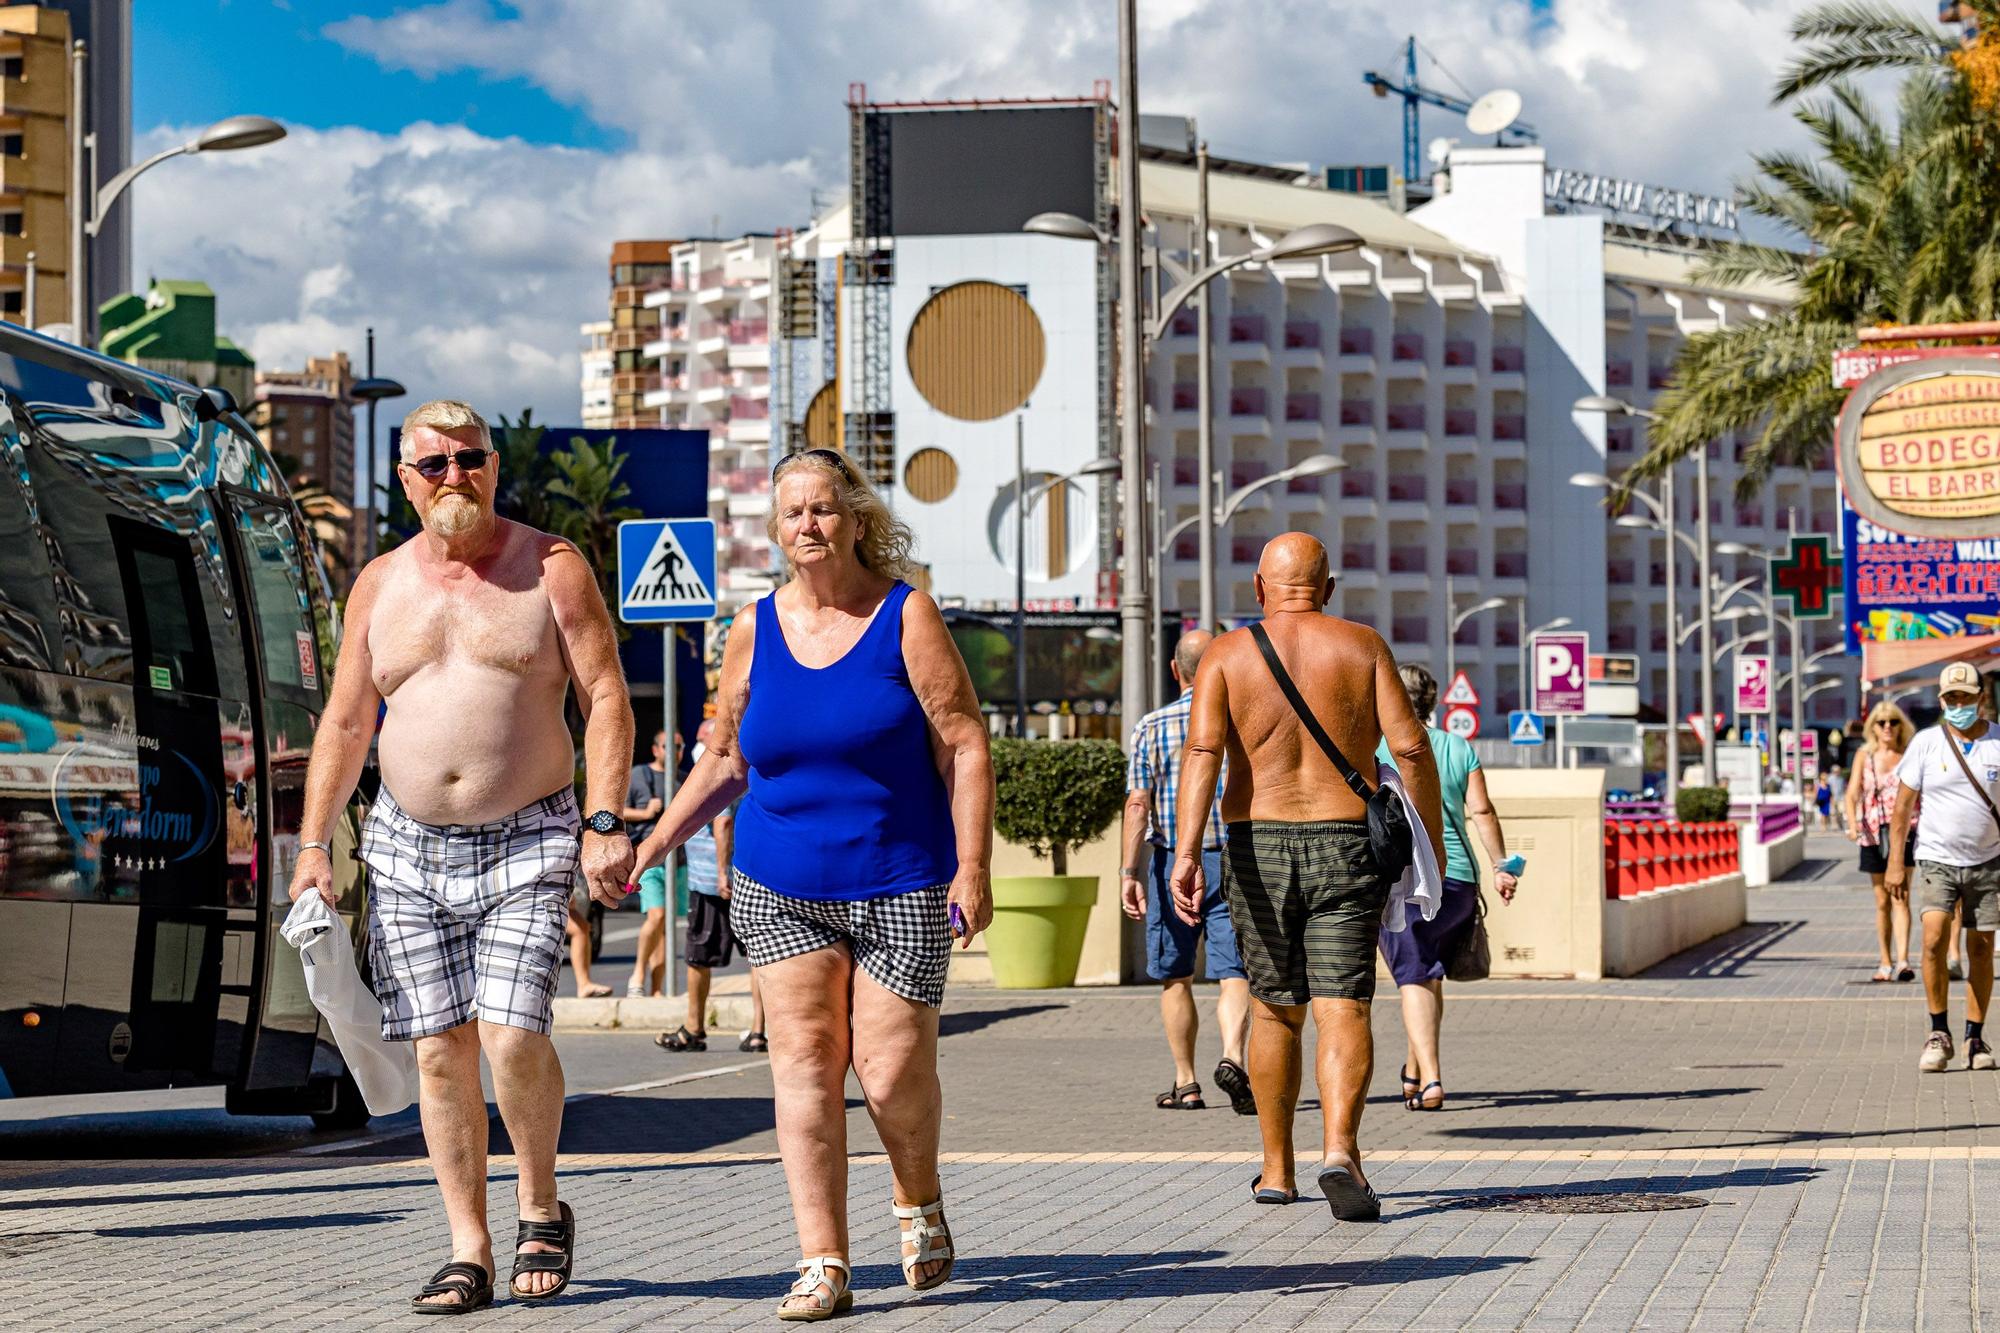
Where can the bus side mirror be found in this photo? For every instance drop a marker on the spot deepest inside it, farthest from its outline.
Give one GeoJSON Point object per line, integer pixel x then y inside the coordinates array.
{"type": "Point", "coordinates": [213, 403]}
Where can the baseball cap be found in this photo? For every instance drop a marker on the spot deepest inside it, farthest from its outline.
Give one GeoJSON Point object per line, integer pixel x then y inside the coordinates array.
{"type": "Point", "coordinates": [1958, 676]}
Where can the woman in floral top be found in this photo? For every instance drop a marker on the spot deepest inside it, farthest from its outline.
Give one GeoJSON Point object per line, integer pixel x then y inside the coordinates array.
{"type": "Point", "coordinates": [1871, 796]}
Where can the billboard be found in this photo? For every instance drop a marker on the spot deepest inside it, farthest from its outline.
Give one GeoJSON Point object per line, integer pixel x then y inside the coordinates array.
{"type": "Point", "coordinates": [1899, 587]}
{"type": "Point", "coordinates": [984, 170]}
{"type": "Point", "coordinates": [1919, 447]}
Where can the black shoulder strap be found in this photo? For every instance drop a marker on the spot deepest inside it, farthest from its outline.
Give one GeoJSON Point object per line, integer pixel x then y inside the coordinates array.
{"type": "Point", "coordinates": [1951, 739]}
{"type": "Point", "coordinates": [1306, 718]}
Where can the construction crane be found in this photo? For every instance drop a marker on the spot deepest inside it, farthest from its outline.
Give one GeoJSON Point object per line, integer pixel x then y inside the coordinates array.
{"type": "Point", "coordinates": [1413, 93]}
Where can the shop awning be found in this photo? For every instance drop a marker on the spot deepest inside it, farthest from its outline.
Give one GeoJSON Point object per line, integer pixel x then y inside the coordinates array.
{"type": "Point", "coordinates": [1882, 662]}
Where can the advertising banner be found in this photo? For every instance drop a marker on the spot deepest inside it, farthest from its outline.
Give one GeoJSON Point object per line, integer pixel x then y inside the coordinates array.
{"type": "Point", "coordinates": [1900, 588]}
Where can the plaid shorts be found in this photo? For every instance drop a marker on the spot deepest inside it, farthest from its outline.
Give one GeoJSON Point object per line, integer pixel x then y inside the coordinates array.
{"type": "Point", "coordinates": [903, 941]}
{"type": "Point", "coordinates": [1306, 900]}
{"type": "Point", "coordinates": [466, 919]}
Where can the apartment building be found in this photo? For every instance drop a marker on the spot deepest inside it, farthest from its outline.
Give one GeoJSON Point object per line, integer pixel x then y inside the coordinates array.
{"type": "Point", "coordinates": [597, 372]}
{"type": "Point", "coordinates": [1439, 363]}
{"type": "Point", "coordinates": [308, 416]}
{"type": "Point", "coordinates": [172, 329]}
{"type": "Point", "coordinates": [709, 364]}
{"type": "Point", "coordinates": [34, 161]}
{"type": "Point", "coordinates": [638, 268]}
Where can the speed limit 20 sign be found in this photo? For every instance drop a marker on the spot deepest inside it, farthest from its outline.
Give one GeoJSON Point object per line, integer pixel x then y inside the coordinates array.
{"type": "Point", "coordinates": [1461, 722]}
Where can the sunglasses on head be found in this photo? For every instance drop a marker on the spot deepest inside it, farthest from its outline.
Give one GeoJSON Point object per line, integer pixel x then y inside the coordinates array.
{"type": "Point", "coordinates": [432, 467]}
{"type": "Point", "coordinates": [827, 456]}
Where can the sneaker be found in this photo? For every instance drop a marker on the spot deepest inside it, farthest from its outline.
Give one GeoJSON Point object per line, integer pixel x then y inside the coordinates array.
{"type": "Point", "coordinates": [1937, 1053]}
{"type": "Point", "coordinates": [1978, 1055]}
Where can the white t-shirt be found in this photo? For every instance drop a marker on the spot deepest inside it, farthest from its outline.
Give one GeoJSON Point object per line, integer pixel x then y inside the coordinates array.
{"type": "Point", "coordinates": [1957, 828]}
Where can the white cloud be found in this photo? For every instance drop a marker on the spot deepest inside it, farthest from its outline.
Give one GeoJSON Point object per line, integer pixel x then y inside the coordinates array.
{"type": "Point", "coordinates": [475, 258]}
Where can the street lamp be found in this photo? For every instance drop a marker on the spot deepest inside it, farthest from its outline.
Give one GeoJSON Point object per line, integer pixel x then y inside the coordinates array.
{"type": "Point", "coordinates": [1608, 406]}
{"type": "Point", "coordinates": [371, 390]}
{"type": "Point", "coordinates": [224, 136]}
{"type": "Point", "coordinates": [1662, 521]}
{"type": "Point", "coordinates": [1457, 619]}
{"type": "Point", "coordinates": [1024, 499]}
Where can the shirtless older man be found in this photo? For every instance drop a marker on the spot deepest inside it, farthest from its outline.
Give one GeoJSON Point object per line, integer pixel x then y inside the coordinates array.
{"type": "Point", "coordinates": [1304, 891]}
{"type": "Point", "coordinates": [472, 632]}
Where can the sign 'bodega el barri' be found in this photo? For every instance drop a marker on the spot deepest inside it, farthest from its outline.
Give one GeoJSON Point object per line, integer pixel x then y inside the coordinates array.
{"type": "Point", "coordinates": [1920, 447]}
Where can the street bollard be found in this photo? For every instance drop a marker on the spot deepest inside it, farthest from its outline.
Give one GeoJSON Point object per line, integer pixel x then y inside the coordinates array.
{"type": "Point", "coordinates": [1614, 875]}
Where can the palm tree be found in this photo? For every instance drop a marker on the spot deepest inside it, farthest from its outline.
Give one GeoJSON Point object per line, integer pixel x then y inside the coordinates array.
{"type": "Point", "coordinates": [585, 507]}
{"type": "Point", "coordinates": [1903, 220]}
{"type": "Point", "coordinates": [524, 473]}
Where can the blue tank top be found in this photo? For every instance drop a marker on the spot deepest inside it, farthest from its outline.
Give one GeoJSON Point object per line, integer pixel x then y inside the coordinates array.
{"type": "Point", "coordinates": [845, 801]}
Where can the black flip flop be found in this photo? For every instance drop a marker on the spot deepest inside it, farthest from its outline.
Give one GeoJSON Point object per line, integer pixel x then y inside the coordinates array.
{"type": "Point", "coordinates": [1258, 1194]}
{"type": "Point", "coordinates": [1350, 1200]}
{"type": "Point", "coordinates": [1186, 1097]}
{"type": "Point", "coordinates": [561, 1233]}
{"type": "Point", "coordinates": [1234, 1079]}
{"type": "Point", "coordinates": [680, 1039]}
{"type": "Point", "coordinates": [475, 1290]}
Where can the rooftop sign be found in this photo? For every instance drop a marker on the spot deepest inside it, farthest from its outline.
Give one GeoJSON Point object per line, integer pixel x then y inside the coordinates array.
{"type": "Point", "coordinates": [1919, 447]}
{"type": "Point", "coordinates": [1660, 205]}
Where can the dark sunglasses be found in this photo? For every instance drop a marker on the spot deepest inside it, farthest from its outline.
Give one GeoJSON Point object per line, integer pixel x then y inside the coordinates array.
{"type": "Point", "coordinates": [1885, 722]}
{"type": "Point", "coordinates": [432, 467]}
{"type": "Point", "coordinates": [827, 456]}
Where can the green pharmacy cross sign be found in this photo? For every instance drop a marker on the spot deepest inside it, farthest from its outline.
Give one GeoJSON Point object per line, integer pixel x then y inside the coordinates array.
{"type": "Point", "coordinates": [1809, 576]}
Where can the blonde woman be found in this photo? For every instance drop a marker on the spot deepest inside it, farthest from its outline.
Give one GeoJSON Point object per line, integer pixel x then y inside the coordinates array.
{"type": "Point", "coordinates": [1871, 799]}
{"type": "Point", "coordinates": [849, 727]}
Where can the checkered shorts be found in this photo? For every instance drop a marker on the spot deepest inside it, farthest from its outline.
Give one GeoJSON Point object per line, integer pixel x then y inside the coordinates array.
{"type": "Point", "coordinates": [903, 941]}
{"type": "Point", "coordinates": [466, 919]}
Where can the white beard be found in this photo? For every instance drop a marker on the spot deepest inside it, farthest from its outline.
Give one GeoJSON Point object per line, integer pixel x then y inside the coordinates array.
{"type": "Point", "coordinates": [453, 515]}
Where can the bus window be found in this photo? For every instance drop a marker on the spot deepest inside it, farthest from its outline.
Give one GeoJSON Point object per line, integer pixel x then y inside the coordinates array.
{"type": "Point", "coordinates": [288, 644]}
{"type": "Point", "coordinates": [170, 637]}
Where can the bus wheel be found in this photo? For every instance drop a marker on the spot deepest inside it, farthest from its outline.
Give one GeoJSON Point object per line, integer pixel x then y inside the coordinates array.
{"type": "Point", "coordinates": [349, 1110]}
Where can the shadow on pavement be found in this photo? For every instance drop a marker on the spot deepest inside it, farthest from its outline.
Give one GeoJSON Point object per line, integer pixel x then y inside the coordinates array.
{"type": "Point", "coordinates": [1748, 1177]}
{"type": "Point", "coordinates": [957, 1023]}
{"type": "Point", "coordinates": [1545, 1133]}
{"type": "Point", "coordinates": [1726, 954]}
{"type": "Point", "coordinates": [222, 1226]}
{"type": "Point", "coordinates": [1513, 1101]}
{"type": "Point", "coordinates": [630, 1124]}
{"type": "Point", "coordinates": [1075, 1277]}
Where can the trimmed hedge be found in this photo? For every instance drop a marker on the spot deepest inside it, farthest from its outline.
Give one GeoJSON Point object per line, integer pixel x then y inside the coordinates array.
{"type": "Point", "coordinates": [1701, 805]}
{"type": "Point", "coordinates": [1055, 796]}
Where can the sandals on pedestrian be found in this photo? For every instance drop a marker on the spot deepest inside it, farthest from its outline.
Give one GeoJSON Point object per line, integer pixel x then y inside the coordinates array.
{"type": "Point", "coordinates": [1904, 972]}
{"type": "Point", "coordinates": [1883, 973]}
{"type": "Point", "coordinates": [1234, 1080]}
{"type": "Point", "coordinates": [680, 1039]}
{"type": "Point", "coordinates": [919, 1231]}
{"type": "Point", "coordinates": [472, 1285]}
{"type": "Point", "coordinates": [1350, 1200]}
{"type": "Point", "coordinates": [754, 1041]}
{"type": "Point", "coordinates": [1258, 1194]}
{"type": "Point", "coordinates": [1410, 1086]}
{"type": "Point", "coordinates": [559, 1261]}
{"type": "Point", "coordinates": [1186, 1097]}
{"type": "Point", "coordinates": [1417, 1102]}
{"type": "Point", "coordinates": [813, 1275]}
{"type": "Point", "coordinates": [635, 990]}
{"type": "Point", "coordinates": [597, 990]}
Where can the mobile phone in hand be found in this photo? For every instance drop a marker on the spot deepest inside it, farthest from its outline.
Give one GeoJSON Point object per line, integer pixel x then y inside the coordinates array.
{"type": "Point", "coordinates": [957, 919]}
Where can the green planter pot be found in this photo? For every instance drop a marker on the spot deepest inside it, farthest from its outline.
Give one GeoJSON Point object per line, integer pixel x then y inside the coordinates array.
{"type": "Point", "coordinates": [1036, 938]}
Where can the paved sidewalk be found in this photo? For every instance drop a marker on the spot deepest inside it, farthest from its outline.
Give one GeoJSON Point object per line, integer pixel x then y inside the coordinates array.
{"type": "Point", "coordinates": [1762, 1077]}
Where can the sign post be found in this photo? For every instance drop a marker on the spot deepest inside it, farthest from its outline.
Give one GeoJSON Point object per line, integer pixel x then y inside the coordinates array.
{"type": "Point", "coordinates": [666, 575]}
{"type": "Point", "coordinates": [1560, 665]}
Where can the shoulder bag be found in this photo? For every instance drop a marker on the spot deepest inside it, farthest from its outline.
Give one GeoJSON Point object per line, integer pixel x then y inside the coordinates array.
{"type": "Point", "coordinates": [1389, 834]}
{"type": "Point", "coordinates": [1471, 955]}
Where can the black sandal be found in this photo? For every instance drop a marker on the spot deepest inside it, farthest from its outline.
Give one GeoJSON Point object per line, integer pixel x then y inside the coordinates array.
{"type": "Point", "coordinates": [1258, 1194]}
{"type": "Point", "coordinates": [754, 1041]}
{"type": "Point", "coordinates": [1410, 1087]}
{"type": "Point", "coordinates": [1187, 1097]}
{"type": "Point", "coordinates": [1417, 1102]}
{"type": "Point", "coordinates": [561, 1233]}
{"type": "Point", "coordinates": [680, 1039]}
{"type": "Point", "coordinates": [1234, 1080]}
{"type": "Point", "coordinates": [472, 1285]}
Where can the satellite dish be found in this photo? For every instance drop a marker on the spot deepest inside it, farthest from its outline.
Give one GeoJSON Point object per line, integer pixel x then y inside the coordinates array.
{"type": "Point", "coordinates": [1494, 112]}
{"type": "Point", "coordinates": [1439, 150]}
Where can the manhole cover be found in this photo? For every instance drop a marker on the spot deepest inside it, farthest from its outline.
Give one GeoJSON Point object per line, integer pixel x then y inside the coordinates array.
{"type": "Point", "coordinates": [1581, 1201]}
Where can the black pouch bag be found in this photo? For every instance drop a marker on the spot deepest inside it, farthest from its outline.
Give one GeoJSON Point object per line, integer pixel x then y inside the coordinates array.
{"type": "Point", "coordinates": [1390, 836]}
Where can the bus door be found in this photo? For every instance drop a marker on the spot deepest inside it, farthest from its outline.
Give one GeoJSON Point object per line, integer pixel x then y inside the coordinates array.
{"type": "Point", "coordinates": [288, 666]}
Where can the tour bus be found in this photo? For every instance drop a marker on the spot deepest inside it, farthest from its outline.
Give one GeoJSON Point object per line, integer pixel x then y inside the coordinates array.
{"type": "Point", "coordinates": [165, 643]}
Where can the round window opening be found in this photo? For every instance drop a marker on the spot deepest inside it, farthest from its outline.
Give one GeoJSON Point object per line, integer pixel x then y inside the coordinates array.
{"type": "Point", "coordinates": [931, 476]}
{"type": "Point", "coordinates": [976, 350]}
{"type": "Point", "coordinates": [1061, 527]}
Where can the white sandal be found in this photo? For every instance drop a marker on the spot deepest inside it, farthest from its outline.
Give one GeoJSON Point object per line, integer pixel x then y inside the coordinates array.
{"type": "Point", "coordinates": [922, 1235]}
{"type": "Point", "coordinates": [813, 1276]}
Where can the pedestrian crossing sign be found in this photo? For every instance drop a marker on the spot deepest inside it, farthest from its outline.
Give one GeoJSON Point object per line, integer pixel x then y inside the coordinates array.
{"type": "Point", "coordinates": [1525, 728]}
{"type": "Point", "coordinates": [666, 570]}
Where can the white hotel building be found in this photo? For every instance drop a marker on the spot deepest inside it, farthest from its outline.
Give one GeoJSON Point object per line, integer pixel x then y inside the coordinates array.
{"type": "Point", "coordinates": [1439, 362]}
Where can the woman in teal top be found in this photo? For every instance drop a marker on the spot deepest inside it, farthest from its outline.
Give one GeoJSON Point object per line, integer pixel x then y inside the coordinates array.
{"type": "Point", "coordinates": [1416, 954]}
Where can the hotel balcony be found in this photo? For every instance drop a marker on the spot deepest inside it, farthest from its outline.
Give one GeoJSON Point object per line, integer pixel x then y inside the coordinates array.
{"type": "Point", "coordinates": [1357, 412]}
{"type": "Point", "coordinates": [1618, 373]}
{"type": "Point", "coordinates": [1302, 407]}
{"type": "Point", "coordinates": [1510, 564]}
{"type": "Point", "coordinates": [1619, 572]}
{"type": "Point", "coordinates": [1461, 491]}
{"type": "Point", "coordinates": [1406, 354]}
{"type": "Point", "coordinates": [1406, 489]}
{"type": "Point", "coordinates": [1357, 485]}
{"type": "Point", "coordinates": [1249, 402]}
{"type": "Point", "coordinates": [1358, 557]}
{"type": "Point", "coordinates": [1302, 343]}
{"type": "Point", "coordinates": [1187, 471]}
{"type": "Point", "coordinates": [1509, 360]}
{"type": "Point", "coordinates": [1187, 396]}
{"type": "Point", "coordinates": [1248, 340]}
{"type": "Point", "coordinates": [1510, 426]}
{"type": "Point", "coordinates": [1186, 323]}
{"type": "Point", "coordinates": [1409, 629]}
{"type": "Point", "coordinates": [1304, 485]}
{"type": "Point", "coordinates": [1406, 416]}
{"type": "Point", "coordinates": [1246, 470]}
{"type": "Point", "coordinates": [1461, 352]}
{"type": "Point", "coordinates": [1510, 495]}
{"type": "Point", "coordinates": [1246, 550]}
{"type": "Point", "coordinates": [1622, 638]}
{"type": "Point", "coordinates": [1460, 422]}
{"type": "Point", "coordinates": [1357, 350]}
{"type": "Point", "coordinates": [1462, 561]}
{"type": "Point", "coordinates": [1409, 559]}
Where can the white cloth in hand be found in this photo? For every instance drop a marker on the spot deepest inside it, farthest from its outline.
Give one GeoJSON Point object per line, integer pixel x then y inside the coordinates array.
{"type": "Point", "coordinates": [385, 1071]}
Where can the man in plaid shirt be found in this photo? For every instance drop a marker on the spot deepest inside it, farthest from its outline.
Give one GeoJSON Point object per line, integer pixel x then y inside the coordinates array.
{"type": "Point", "coordinates": [1152, 784]}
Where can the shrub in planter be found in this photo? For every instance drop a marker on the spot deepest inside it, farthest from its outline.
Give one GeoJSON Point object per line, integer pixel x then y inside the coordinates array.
{"type": "Point", "coordinates": [1701, 805]}
{"type": "Point", "coordinates": [1055, 796]}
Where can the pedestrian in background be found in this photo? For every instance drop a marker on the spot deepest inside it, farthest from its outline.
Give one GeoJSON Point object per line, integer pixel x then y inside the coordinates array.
{"type": "Point", "coordinates": [1955, 767]}
{"type": "Point", "coordinates": [711, 943]}
{"type": "Point", "coordinates": [863, 845]}
{"type": "Point", "coordinates": [1871, 805]}
{"type": "Point", "coordinates": [1306, 892]}
{"type": "Point", "coordinates": [1823, 801]}
{"type": "Point", "coordinates": [645, 794]}
{"type": "Point", "coordinates": [1152, 781]}
{"type": "Point", "coordinates": [1416, 954]}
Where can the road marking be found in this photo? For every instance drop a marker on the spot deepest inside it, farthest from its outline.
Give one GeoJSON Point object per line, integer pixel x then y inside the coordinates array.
{"type": "Point", "coordinates": [572, 1099]}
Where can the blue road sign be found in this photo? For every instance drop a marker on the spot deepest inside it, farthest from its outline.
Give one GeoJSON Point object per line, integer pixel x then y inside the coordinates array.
{"type": "Point", "coordinates": [1526, 728]}
{"type": "Point", "coordinates": [666, 570]}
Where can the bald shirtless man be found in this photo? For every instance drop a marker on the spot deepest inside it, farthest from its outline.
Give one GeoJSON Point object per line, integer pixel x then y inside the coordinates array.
{"type": "Point", "coordinates": [472, 632]}
{"type": "Point", "coordinates": [1304, 891]}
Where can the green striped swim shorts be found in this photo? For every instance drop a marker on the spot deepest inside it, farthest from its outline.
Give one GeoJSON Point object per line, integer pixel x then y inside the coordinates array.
{"type": "Point", "coordinates": [1306, 900]}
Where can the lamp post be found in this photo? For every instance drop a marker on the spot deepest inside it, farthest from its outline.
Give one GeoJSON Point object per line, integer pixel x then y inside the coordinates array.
{"type": "Point", "coordinates": [91, 205]}
{"type": "Point", "coordinates": [1456, 618]}
{"type": "Point", "coordinates": [1662, 521]}
{"type": "Point", "coordinates": [371, 390]}
{"type": "Point", "coordinates": [1135, 596]}
{"type": "Point", "coordinates": [1619, 407]}
{"type": "Point", "coordinates": [1025, 499]}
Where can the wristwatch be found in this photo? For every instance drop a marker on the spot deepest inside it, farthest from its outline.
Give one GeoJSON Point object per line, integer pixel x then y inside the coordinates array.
{"type": "Point", "coordinates": [1131, 872]}
{"type": "Point", "coordinates": [605, 822]}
